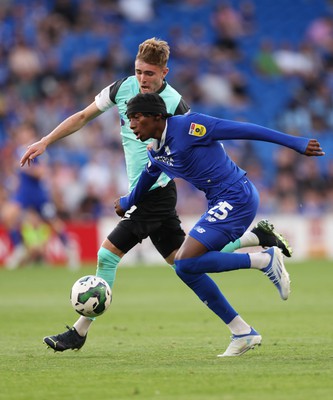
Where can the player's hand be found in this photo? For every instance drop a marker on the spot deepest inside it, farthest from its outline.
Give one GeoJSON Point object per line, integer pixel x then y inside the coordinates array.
{"type": "Point", "coordinates": [314, 149]}
{"type": "Point", "coordinates": [34, 150]}
{"type": "Point", "coordinates": [118, 209]}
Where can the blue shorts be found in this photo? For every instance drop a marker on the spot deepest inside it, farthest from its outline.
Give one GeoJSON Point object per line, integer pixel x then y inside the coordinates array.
{"type": "Point", "coordinates": [228, 216]}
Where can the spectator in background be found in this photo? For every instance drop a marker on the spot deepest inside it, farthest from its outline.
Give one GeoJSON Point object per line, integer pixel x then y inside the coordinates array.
{"type": "Point", "coordinates": [231, 25]}
{"type": "Point", "coordinates": [301, 61]}
{"type": "Point", "coordinates": [134, 11]}
{"type": "Point", "coordinates": [29, 205]}
{"type": "Point", "coordinates": [35, 235]}
{"type": "Point", "coordinates": [288, 203]}
{"type": "Point", "coordinates": [320, 31]}
{"type": "Point", "coordinates": [264, 60]}
{"type": "Point", "coordinates": [240, 98]}
{"type": "Point", "coordinates": [228, 25]}
{"type": "Point", "coordinates": [309, 177]}
{"type": "Point", "coordinates": [26, 68]}
{"type": "Point", "coordinates": [67, 9]}
{"type": "Point", "coordinates": [295, 117]}
{"type": "Point", "coordinates": [247, 11]}
{"type": "Point", "coordinates": [313, 203]}
{"type": "Point", "coordinates": [215, 87]}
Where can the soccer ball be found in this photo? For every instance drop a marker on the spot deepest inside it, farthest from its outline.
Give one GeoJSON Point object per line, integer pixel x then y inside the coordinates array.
{"type": "Point", "coordinates": [91, 296]}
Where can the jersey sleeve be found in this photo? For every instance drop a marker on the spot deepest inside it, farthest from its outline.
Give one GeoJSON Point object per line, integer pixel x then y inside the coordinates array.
{"type": "Point", "coordinates": [182, 108]}
{"type": "Point", "coordinates": [233, 130]}
{"type": "Point", "coordinates": [147, 179]}
{"type": "Point", "coordinates": [107, 97]}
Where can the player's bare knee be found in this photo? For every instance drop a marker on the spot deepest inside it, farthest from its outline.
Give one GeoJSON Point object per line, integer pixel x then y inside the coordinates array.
{"type": "Point", "coordinates": [112, 248]}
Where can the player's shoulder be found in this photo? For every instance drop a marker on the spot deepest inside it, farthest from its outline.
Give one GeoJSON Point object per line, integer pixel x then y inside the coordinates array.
{"type": "Point", "coordinates": [199, 118]}
{"type": "Point", "coordinates": [180, 123]}
{"type": "Point", "coordinates": [168, 90]}
{"type": "Point", "coordinates": [174, 102]}
{"type": "Point", "coordinates": [190, 117]}
{"type": "Point", "coordinates": [169, 93]}
{"type": "Point", "coordinates": [129, 81]}
{"type": "Point", "coordinates": [184, 119]}
{"type": "Point", "coordinates": [123, 88]}
{"type": "Point", "coordinates": [192, 124]}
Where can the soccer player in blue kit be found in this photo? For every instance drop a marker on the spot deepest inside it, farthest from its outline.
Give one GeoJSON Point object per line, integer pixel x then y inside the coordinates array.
{"type": "Point", "coordinates": [189, 147]}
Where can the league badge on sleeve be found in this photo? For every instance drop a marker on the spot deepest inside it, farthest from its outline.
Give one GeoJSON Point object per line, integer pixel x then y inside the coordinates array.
{"type": "Point", "coordinates": [197, 130]}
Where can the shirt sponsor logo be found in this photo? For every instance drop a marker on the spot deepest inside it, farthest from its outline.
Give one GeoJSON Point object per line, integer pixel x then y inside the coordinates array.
{"type": "Point", "coordinates": [165, 160]}
{"type": "Point", "coordinates": [199, 229]}
{"type": "Point", "coordinates": [197, 130]}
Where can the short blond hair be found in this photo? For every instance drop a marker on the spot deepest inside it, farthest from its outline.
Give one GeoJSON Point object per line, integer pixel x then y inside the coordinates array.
{"type": "Point", "coordinates": [154, 51]}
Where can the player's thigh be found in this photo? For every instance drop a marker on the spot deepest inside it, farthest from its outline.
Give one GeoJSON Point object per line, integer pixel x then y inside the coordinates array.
{"type": "Point", "coordinates": [123, 236]}
{"type": "Point", "coordinates": [227, 219]}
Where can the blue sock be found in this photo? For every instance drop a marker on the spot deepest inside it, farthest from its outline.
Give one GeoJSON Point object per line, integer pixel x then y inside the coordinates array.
{"type": "Point", "coordinates": [191, 272]}
{"type": "Point", "coordinates": [209, 293]}
{"type": "Point", "coordinates": [107, 263]}
{"type": "Point", "coordinates": [213, 261]}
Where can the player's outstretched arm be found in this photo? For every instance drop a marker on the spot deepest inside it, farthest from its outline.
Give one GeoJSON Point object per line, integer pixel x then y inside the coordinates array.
{"type": "Point", "coordinates": [234, 130]}
{"type": "Point", "coordinates": [67, 127]}
{"type": "Point", "coordinates": [314, 149]}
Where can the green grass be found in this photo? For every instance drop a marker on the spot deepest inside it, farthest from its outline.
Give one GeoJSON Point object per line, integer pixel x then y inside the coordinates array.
{"type": "Point", "coordinates": [157, 341]}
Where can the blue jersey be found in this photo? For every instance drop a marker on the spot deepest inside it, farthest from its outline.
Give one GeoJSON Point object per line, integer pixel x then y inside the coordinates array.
{"type": "Point", "coordinates": [33, 193]}
{"type": "Point", "coordinates": [190, 148]}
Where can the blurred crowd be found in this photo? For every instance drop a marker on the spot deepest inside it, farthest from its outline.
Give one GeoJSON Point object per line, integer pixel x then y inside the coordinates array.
{"type": "Point", "coordinates": [245, 60]}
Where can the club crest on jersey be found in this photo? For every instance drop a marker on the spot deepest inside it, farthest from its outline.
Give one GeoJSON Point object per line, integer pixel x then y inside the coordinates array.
{"type": "Point", "coordinates": [197, 130]}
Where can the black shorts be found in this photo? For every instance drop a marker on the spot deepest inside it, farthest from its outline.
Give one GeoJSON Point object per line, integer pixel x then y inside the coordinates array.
{"type": "Point", "coordinates": [155, 217]}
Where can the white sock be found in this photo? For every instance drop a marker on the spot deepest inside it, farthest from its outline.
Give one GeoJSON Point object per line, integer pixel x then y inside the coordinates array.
{"type": "Point", "coordinates": [82, 325]}
{"type": "Point", "coordinates": [249, 239]}
{"type": "Point", "coordinates": [259, 260]}
{"type": "Point", "coordinates": [238, 326]}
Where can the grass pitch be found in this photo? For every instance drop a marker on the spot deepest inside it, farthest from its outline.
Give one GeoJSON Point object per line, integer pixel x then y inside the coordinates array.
{"type": "Point", "coordinates": [158, 341]}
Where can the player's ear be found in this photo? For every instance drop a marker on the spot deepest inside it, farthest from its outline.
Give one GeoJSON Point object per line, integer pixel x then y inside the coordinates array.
{"type": "Point", "coordinates": [165, 71]}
